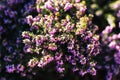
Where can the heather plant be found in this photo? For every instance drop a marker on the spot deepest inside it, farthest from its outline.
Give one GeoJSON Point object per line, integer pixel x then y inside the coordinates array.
{"type": "Point", "coordinates": [59, 39]}
{"type": "Point", "coordinates": [62, 33]}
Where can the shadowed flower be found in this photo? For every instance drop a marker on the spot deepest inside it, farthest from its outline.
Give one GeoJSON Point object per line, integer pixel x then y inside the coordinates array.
{"type": "Point", "coordinates": [117, 57]}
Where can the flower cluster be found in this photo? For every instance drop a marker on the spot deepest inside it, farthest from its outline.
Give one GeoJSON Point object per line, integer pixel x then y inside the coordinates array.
{"type": "Point", "coordinates": [62, 32]}
{"type": "Point", "coordinates": [12, 22]}
{"type": "Point", "coordinates": [59, 38]}
{"type": "Point", "coordinates": [112, 54]}
{"type": "Point", "coordinates": [111, 48]}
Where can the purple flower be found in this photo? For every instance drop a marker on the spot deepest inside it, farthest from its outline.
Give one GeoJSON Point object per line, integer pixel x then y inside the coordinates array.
{"type": "Point", "coordinates": [25, 35]}
{"type": "Point", "coordinates": [67, 7]}
{"type": "Point", "coordinates": [10, 2]}
{"type": "Point", "coordinates": [2, 7]}
{"type": "Point", "coordinates": [39, 40]}
{"type": "Point", "coordinates": [13, 14]}
{"type": "Point", "coordinates": [45, 60]}
{"type": "Point", "coordinates": [82, 73]}
{"type": "Point", "coordinates": [92, 71]}
{"type": "Point", "coordinates": [29, 19]}
{"type": "Point", "coordinates": [10, 68]}
{"type": "Point", "coordinates": [20, 67]}
{"type": "Point", "coordinates": [107, 30]}
{"type": "Point", "coordinates": [83, 61]}
{"type": "Point", "coordinates": [60, 62]}
{"type": "Point", "coordinates": [118, 14]}
{"type": "Point", "coordinates": [33, 62]}
{"type": "Point", "coordinates": [7, 21]}
{"type": "Point", "coordinates": [60, 69]}
{"type": "Point", "coordinates": [49, 6]}
{"type": "Point", "coordinates": [1, 28]}
{"type": "Point", "coordinates": [117, 57]}
{"type": "Point", "coordinates": [74, 69]}
{"type": "Point", "coordinates": [58, 56]}
{"type": "Point", "coordinates": [73, 62]}
{"type": "Point", "coordinates": [109, 76]}
{"type": "Point", "coordinates": [53, 31]}
{"type": "Point", "coordinates": [115, 69]}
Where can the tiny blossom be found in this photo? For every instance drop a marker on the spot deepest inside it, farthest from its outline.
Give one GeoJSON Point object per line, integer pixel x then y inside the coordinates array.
{"type": "Point", "coordinates": [29, 19]}
{"type": "Point", "coordinates": [33, 62]}
{"type": "Point", "coordinates": [45, 60]}
{"type": "Point", "coordinates": [112, 44]}
{"type": "Point", "coordinates": [115, 69]}
{"type": "Point", "coordinates": [109, 76]}
{"type": "Point", "coordinates": [117, 57]}
{"type": "Point", "coordinates": [25, 35]}
{"type": "Point", "coordinates": [92, 71]}
{"type": "Point", "coordinates": [20, 67]}
{"type": "Point", "coordinates": [60, 70]}
{"type": "Point", "coordinates": [39, 39]}
{"type": "Point", "coordinates": [10, 68]}
{"type": "Point", "coordinates": [83, 61]}
{"type": "Point", "coordinates": [67, 6]}
{"type": "Point", "coordinates": [27, 41]}
{"type": "Point", "coordinates": [52, 47]}
{"type": "Point", "coordinates": [49, 6]}
{"type": "Point", "coordinates": [82, 73]}
{"type": "Point", "coordinates": [107, 30]}
{"type": "Point", "coordinates": [74, 69]}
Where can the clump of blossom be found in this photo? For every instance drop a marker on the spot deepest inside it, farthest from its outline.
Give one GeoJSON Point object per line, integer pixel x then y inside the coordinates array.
{"type": "Point", "coordinates": [111, 53]}
{"type": "Point", "coordinates": [63, 33]}
{"type": "Point", "coordinates": [12, 20]}
{"type": "Point", "coordinates": [111, 49]}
